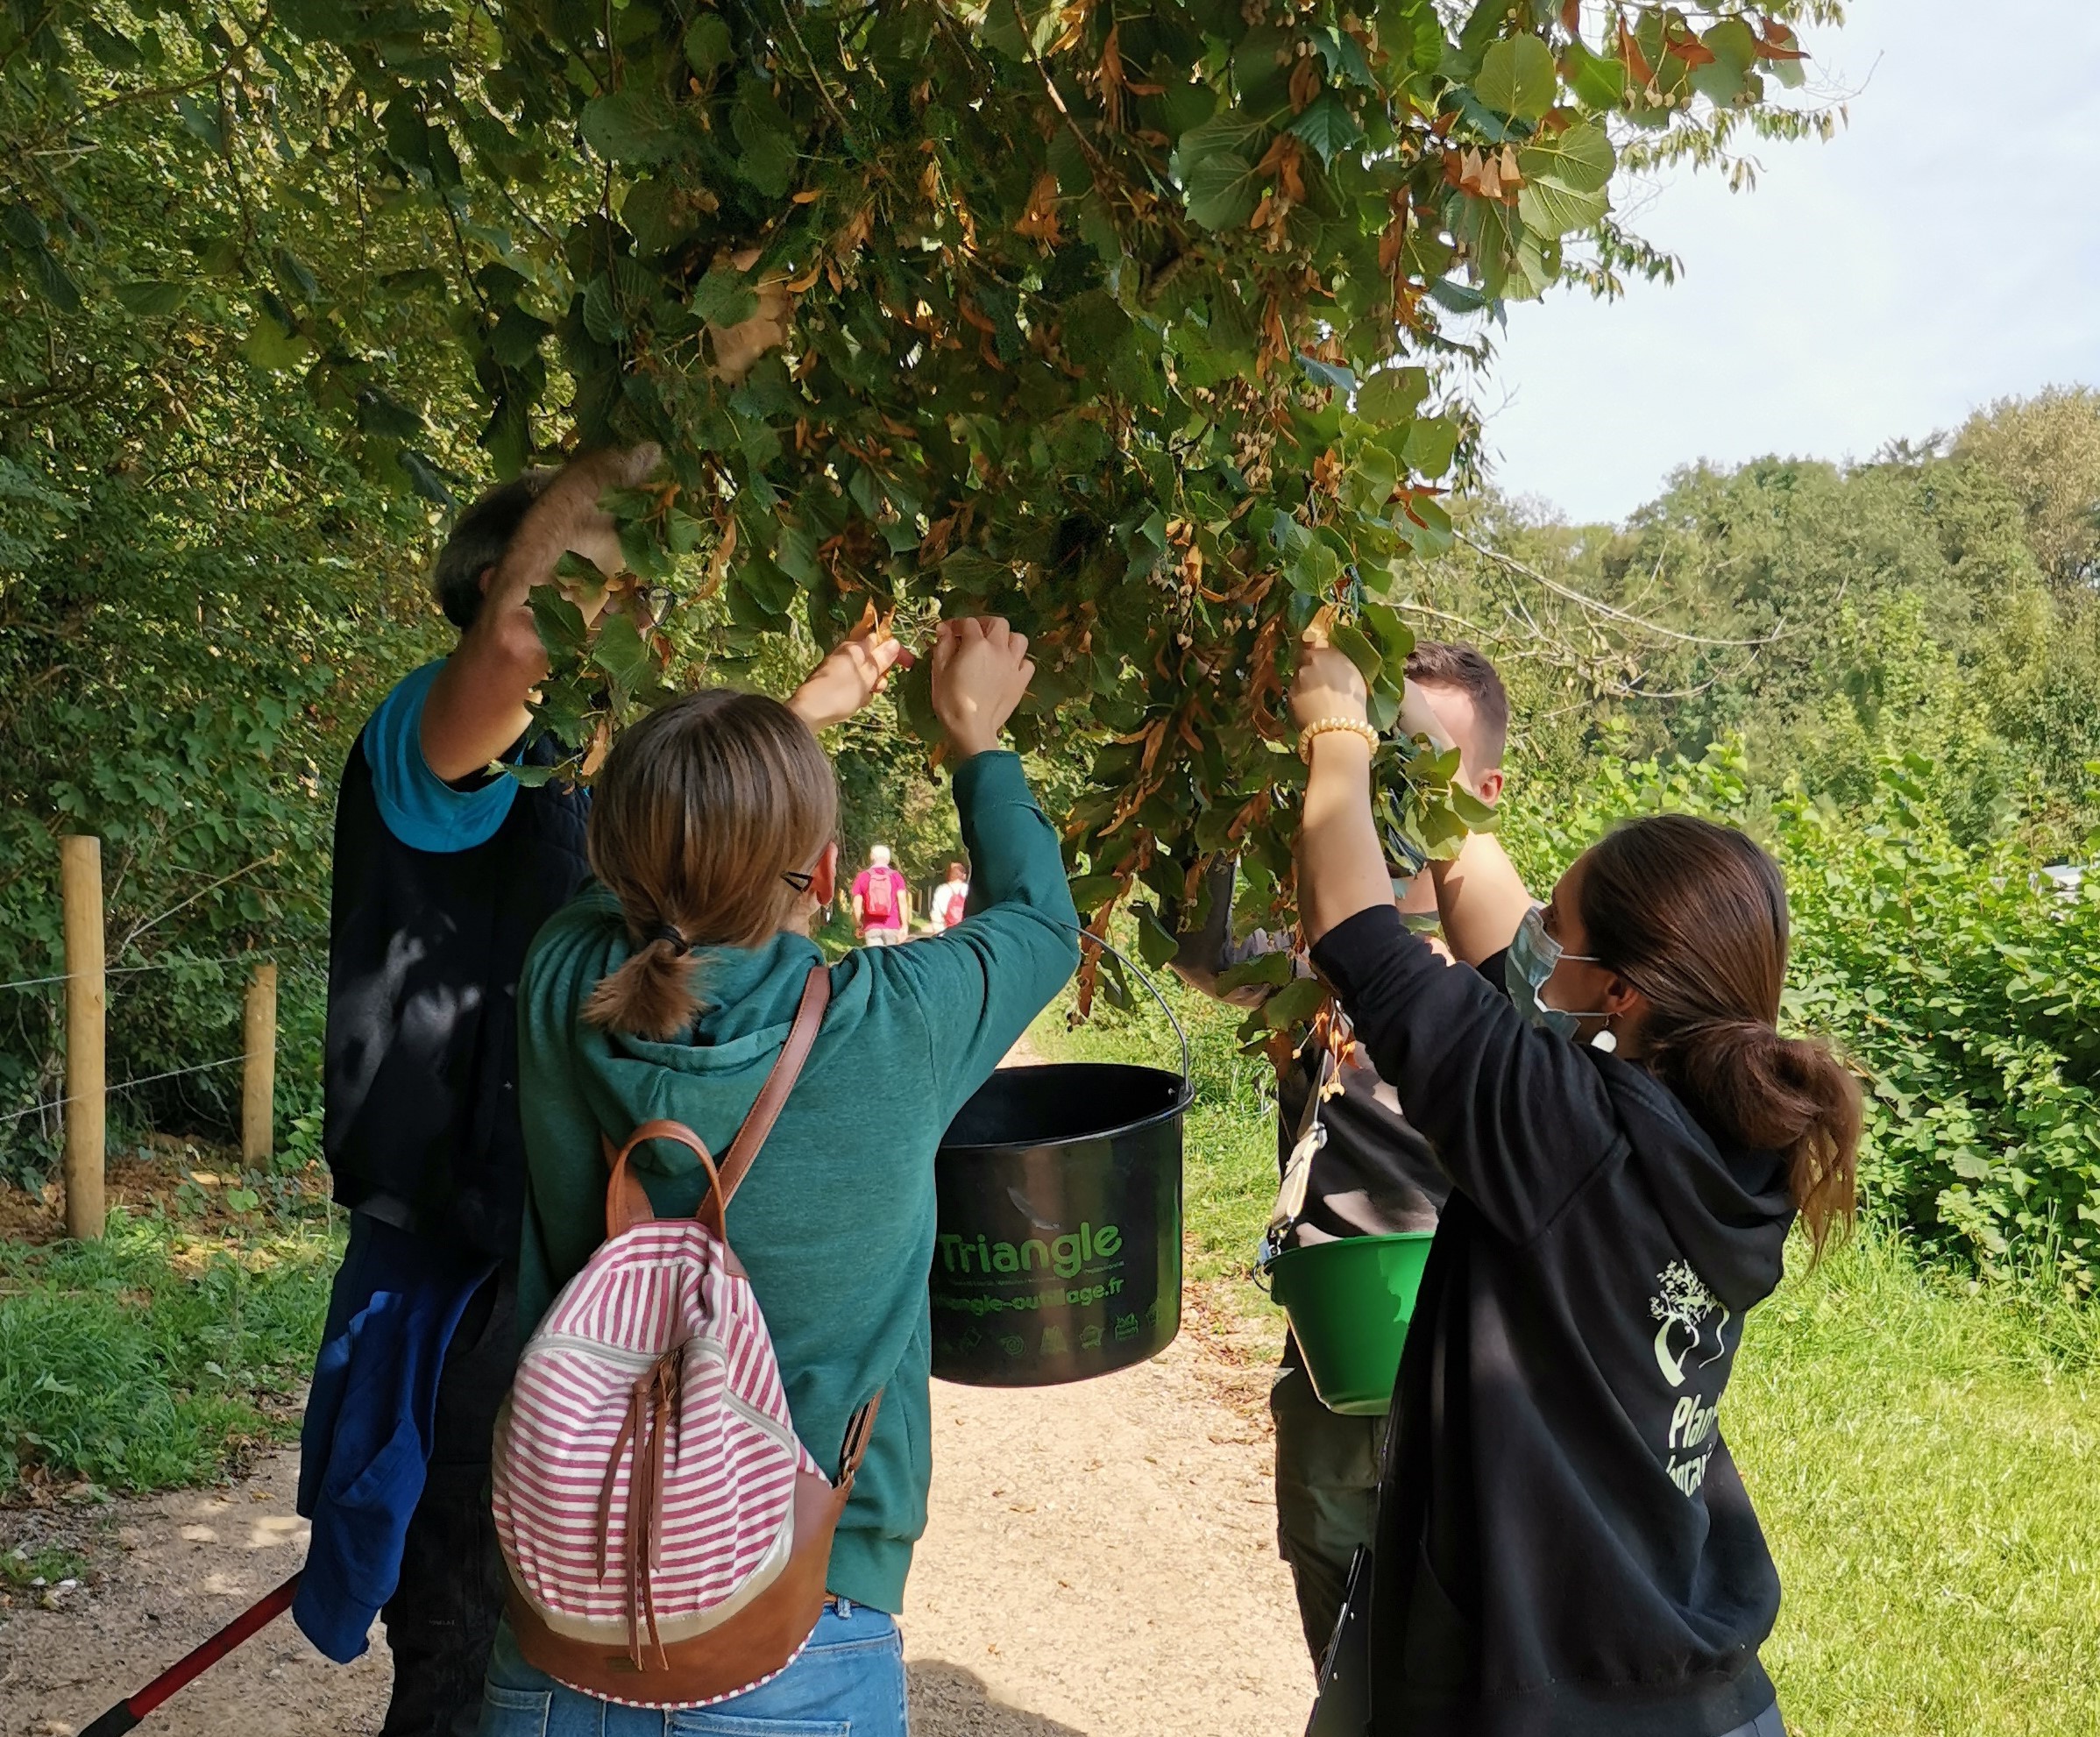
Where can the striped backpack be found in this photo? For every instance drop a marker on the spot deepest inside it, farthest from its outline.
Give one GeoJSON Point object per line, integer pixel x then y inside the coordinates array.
{"type": "Point", "coordinates": [667, 1533]}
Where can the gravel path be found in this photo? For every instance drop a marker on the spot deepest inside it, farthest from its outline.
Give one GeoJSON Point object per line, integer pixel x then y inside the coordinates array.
{"type": "Point", "coordinates": [1101, 1561]}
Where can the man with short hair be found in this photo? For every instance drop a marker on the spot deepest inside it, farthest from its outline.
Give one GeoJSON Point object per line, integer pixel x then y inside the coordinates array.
{"type": "Point", "coordinates": [1375, 1174]}
{"type": "Point", "coordinates": [880, 901]}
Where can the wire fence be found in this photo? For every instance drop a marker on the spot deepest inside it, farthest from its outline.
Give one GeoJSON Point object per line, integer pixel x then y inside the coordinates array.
{"type": "Point", "coordinates": [253, 954]}
{"type": "Point", "coordinates": [73, 1107]}
{"type": "Point", "coordinates": [125, 1085]}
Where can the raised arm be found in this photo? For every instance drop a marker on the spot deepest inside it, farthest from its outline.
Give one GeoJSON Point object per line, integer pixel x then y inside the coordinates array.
{"type": "Point", "coordinates": [1480, 898]}
{"type": "Point", "coordinates": [477, 706]}
{"type": "Point", "coordinates": [1341, 864]}
{"type": "Point", "coordinates": [983, 981]}
{"type": "Point", "coordinates": [1204, 954]}
{"type": "Point", "coordinates": [1517, 1116]}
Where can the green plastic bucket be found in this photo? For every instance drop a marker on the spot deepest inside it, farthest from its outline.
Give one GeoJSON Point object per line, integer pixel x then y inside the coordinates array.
{"type": "Point", "coordinates": [1349, 1303]}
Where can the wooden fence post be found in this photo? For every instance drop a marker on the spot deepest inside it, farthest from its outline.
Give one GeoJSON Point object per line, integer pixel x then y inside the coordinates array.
{"type": "Point", "coordinates": [85, 1109]}
{"type": "Point", "coordinates": [258, 1066]}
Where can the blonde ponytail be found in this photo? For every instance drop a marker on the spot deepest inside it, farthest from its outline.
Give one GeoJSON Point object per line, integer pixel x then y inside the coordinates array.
{"type": "Point", "coordinates": [651, 994]}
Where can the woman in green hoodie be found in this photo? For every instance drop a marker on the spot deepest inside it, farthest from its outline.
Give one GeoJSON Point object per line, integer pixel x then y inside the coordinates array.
{"type": "Point", "coordinates": [667, 990]}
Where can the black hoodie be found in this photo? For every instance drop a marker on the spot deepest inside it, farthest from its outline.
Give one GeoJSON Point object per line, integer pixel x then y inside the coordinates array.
{"type": "Point", "coordinates": [1563, 1544]}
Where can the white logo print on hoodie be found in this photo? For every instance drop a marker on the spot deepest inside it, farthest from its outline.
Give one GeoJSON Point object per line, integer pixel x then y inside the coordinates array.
{"type": "Point", "coordinates": [1684, 1306]}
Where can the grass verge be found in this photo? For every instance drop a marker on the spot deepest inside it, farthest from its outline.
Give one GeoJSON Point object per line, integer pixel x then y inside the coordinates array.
{"type": "Point", "coordinates": [157, 1356]}
{"type": "Point", "coordinates": [1923, 1452]}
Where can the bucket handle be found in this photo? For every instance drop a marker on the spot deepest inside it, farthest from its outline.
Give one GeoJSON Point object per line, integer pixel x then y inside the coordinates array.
{"type": "Point", "coordinates": [1087, 936]}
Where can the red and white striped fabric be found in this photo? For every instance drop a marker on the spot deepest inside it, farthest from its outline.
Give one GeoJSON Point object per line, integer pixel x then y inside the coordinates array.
{"type": "Point", "coordinates": [645, 1460]}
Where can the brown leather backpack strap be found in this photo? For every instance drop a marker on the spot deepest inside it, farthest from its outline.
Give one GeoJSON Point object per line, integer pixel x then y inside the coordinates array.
{"type": "Point", "coordinates": [627, 1200]}
{"type": "Point", "coordinates": [859, 1430]}
{"type": "Point", "coordinates": [816, 997]}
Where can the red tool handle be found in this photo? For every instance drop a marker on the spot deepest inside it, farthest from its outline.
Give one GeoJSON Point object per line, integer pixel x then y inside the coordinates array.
{"type": "Point", "coordinates": [193, 1664]}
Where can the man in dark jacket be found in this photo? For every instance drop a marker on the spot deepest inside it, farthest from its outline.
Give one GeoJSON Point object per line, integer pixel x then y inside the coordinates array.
{"type": "Point", "coordinates": [1375, 1174]}
{"type": "Point", "coordinates": [444, 872]}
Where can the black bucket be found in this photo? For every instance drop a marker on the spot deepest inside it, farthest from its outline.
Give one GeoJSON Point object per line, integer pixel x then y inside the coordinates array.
{"type": "Point", "coordinates": [1059, 1251]}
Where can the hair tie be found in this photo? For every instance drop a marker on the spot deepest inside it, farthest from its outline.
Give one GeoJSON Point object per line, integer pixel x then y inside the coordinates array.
{"type": "Point", "coordinates": [672, 938]}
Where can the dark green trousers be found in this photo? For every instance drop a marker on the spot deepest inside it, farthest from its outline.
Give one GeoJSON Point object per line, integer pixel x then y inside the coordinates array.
{"type": "Point", "coordinates": [1326, 1495]}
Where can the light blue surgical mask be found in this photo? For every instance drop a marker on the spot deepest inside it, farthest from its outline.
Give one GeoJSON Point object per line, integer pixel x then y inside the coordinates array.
{"type": "Point", "coordinates": [1533, 956]}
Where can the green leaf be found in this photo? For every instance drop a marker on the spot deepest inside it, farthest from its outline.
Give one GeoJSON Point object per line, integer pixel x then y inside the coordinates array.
{"type": "Point", "coordinates": [620, 652]}
{"type": "Point", "coordinates": [54, 283]}
{"type": "Point", "coordinates": [1596, 82]}
{"type": "Point", "coordinates": [560, 622]}
{"type": "Point", "coordinates": [119, 54]}
{"type": "Point", "coordinates": [380, 414]}
{"type": "Point", "coordinates": [1327, 374]}
{"type": "Point", "coordinates": [23, 226]}
{"type": "Point", "coordinates": [295, 275]}
{"type": "Point", "coordinates": [1394, 637]}
{"type": "Point", "coordinates": [1269, 970]}
{"type": "Point", "coordinates": [1215, 163]}
{"type": "Point", "coordinates": [1091, 892]}
{"type": "Point", "coordinates": [1551, 209]}
{"type": "Point", "coordinates": [622, 127]}
{"type": "Point", "coordinates": [1483, 25]}
{"type": "Point", "coordinates": [601, 316]}
{"type": "Point", "coordinates": [1373, 472]}
{"type": "Point", "coordinates": [1019, 29]}
{"type": "Point", "coordinates": [152, 296]}
{"type": "Point", "coordinates": [424, 477]}
{"type": "Point", "coordinates": [723, 298]}
{"type": "Point", "coordinates": [202, 123]}
{"type": "Point", "coordinates": [1518, 77]}
{"type": "Point", "coordinates": [708, 44]}
{"type": "Point", "coordinates": [1350, 642]}
{"type": "Point", "coordinates": [1390, 396]}
{"type": "Point", "coordinates": [1735, 52]}
{"type": "Point", "coordinates": [656, 213]}
{"type": "Point", "coordinates": [1328, 126]}
{"type": "Point", "coordinates": [1295, 1003]}
{"type": "Point", "coordinates": [269, 346]}
{"type": "Point", "coordinates": [1580, 158]}
{"type": "Point", "coordinates": [1732, 43]}
{"type": "Point", "coordinates": [1155, 945]}
{"type": "Point", "coordinates": [1222, 191]}
{"type": "Point", "coordinates": [1431, 444]}
{"type": "Point", "coordinates": [1479, 816]}
{"type": "Point", "coordinates": [770, 151]}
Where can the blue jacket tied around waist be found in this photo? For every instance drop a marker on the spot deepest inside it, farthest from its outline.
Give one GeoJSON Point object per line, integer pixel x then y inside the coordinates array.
{"type": "Point", "coordinates": [366, 1444]}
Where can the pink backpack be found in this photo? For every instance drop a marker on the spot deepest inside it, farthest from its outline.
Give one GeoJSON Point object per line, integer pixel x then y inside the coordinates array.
{"type": "Point", "coordinates": [666, 1531]}
{"type": "Point", "coordinates": [881, 903]}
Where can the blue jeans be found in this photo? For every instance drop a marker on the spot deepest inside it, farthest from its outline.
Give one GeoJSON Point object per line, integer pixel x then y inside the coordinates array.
{"type": "Point", "coordinates": [848, 1682]}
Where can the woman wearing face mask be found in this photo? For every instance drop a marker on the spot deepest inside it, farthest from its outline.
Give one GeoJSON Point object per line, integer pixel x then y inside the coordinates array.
{"type": "Point", "coordinates": [1563, 1544]}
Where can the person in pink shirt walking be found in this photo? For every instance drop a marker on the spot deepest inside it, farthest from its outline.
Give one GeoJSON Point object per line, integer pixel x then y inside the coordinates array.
{"type": "Point", "coordinates": [880, 901]}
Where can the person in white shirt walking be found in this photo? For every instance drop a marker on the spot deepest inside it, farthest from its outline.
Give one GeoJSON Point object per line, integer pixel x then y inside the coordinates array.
{"type": "Point", "coordinates": [950, 897]}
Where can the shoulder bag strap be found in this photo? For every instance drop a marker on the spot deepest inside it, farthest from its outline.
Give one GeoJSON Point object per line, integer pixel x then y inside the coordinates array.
{"type": "Point", "coordinates": [816, 997]}
{"type": "Point", "coordinates": [1296, 1180]}
{"type": "Point", "coordinates": [859, 1430]}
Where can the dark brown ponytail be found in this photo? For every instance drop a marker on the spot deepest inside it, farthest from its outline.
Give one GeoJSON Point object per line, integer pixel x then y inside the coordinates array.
{"type": "Point", "coordinates": [1694, 915]}
{"type": "Point", "coordinates": [703, 809]}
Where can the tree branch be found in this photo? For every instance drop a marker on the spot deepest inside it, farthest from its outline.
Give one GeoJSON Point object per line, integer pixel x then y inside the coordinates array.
{"type": "Point", "coordinates": [1597, 606]}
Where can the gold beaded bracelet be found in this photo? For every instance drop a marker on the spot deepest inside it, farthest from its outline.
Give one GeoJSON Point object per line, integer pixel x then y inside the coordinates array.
{"type": "Point", "coordinates": [1319, 726]}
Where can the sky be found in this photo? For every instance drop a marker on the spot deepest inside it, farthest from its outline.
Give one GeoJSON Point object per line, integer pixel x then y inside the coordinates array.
{"type": "Point", "coordinates": [1941, 251]}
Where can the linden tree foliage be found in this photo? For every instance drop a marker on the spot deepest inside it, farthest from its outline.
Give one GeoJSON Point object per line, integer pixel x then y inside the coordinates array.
{"type": "Point", "coordinates": [1138, 322]}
